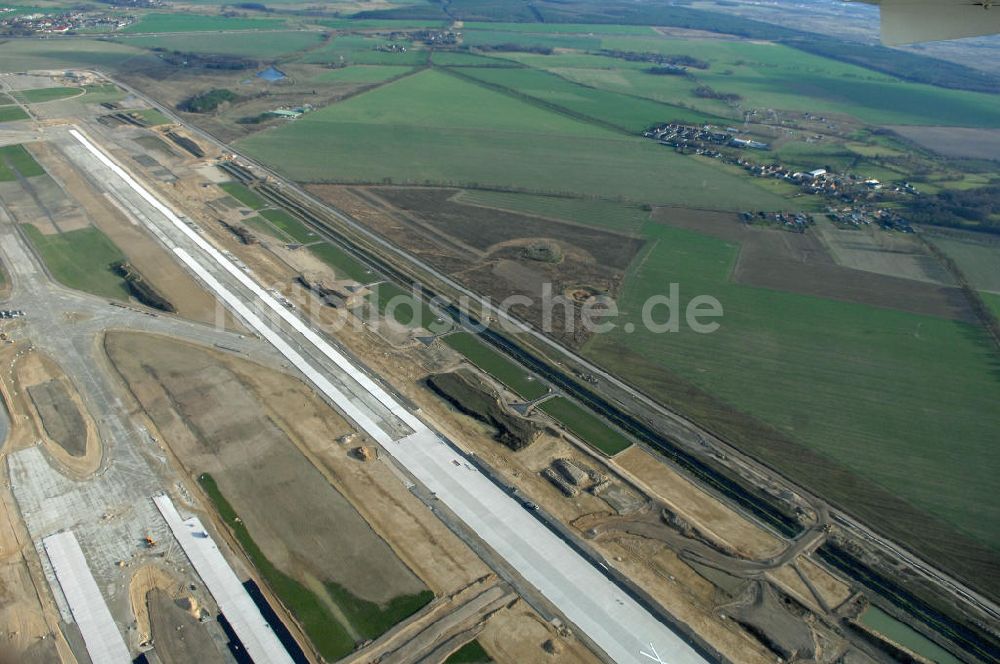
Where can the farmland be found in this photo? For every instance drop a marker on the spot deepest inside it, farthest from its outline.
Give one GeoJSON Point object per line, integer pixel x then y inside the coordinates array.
{"type": "Point", "coordinates": [276, 44]}
{"type": "Point", "coordinates": [157, 22]}
{"type": "Point", "coordinates": [12, 113]}
{"type": "Point", "coordinates": [432, 128]}
{"type": "Point", "coordinates": [80, 259]}
{"type": "Point", "coordinates": [840, 379]}
{"type": "Point", "coordinates": [15, 159]}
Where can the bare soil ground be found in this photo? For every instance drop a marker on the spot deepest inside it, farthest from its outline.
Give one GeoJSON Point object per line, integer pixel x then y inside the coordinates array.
{"type": "Point", "coordinates": [517, 634]}
{"type": "Point", "coordinates": [801, 263]}
{"type": "Point", "coordinates": [955, 141]}
{"type": "Point", "coordinates": [79, 453]}
{"type": "Point", "coordinates": [710, 516]}
{"type": "Point", "coordinates": [880, 252]}
{"type": "Point", "coordinates": [487, 249]}
{"type": "Point", "coordinates": [29, 621]}
{"type": "Point", "coordinates": [178, 636]}
{"type": "Point", "coordinates": [215, 424]}
{"type": "Point", "coordinates": [60, 417]}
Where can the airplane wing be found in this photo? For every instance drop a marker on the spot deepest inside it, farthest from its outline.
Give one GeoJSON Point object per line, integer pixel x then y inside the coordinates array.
{"type": "Point", "coordinates": [909, 21]}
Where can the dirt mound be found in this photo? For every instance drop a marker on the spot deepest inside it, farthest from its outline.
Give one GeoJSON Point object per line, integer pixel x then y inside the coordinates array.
{"type": "Point", "coordinates": [471, 397]}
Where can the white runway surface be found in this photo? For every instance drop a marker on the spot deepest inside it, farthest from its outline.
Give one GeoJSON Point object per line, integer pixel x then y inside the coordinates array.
{"type": "Point", "coordinates": [235, 603]}
{"type": "Point", "coordinates": [100, 633]}
{"type": "Point", "coordinates": [595, 605]}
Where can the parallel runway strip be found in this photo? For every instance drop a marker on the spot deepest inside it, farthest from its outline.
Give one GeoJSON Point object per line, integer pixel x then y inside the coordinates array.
{"type": "Point", "coordinates": [615, 622]}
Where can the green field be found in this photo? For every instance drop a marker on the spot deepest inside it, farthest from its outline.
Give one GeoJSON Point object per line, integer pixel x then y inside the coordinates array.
{"type": "Point", "coordinates": [585, 425]}
{"type": "Point", "coordinates": [631, 114]}
{"type": "Point", "coordinates": [5, 99]}
{"type": "Point", "coordinates": [28, 54]}
{"type": "Point", "coordinates": [244, 195]}
{"type": "Point", "coordinates": [599, 214]}
{"type": "Point", "coordinates": [14, 158]}
{"type": "Point", "coordinates": [371, 24]}
{"type": "Point", "coordinates": [152, 117]}
{"type": "Point", "coordinates": [344, 265]}
{"type": "Point", "coordinates": [875, 391]}
{"type": "Point", "coordinates": [528, 40]}
{"type": "Point", "coordinates": [471, 653]}
{"type": "Point", "coordinates": [563, 28]}
{"type": "Point", "coordinates": [12, 113]}
{"type": "Point", "coordinates": [993, 302]}
{"type": "Point", "coordinates": [276, 44]}
{"type": "Point", "coordinates": [362, 74]}
{"type": "Point", "coordinates": [406, 309]}
{"type": "Point", "coordinates": [776, 76]}
{"type": "Point", "coordinates": [184, 22]}
{"type": "Point", "coordinates": [978, 260]}
{"type": "Point", "coordinates": [359, 49]}
{"type": "Point", "coordinates": [435, 128]}
{"type": "Point", "coordinates": [289, 225]}
{"type": "Point", "coordinates": [80, 259]}
{"type": "Point", "coordinates": [39, 95]}
{"type": "Point", "coordinates": [518, 379]}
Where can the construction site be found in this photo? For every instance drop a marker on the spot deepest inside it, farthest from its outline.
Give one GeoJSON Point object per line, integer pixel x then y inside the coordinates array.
{"type": "Point", "coordinates": [223, 442]}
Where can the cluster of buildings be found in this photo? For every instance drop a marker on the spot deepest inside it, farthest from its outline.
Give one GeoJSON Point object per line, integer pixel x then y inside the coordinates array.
{"type": "Point", "coordinates": [703, 140]}
{"type": "Point", "coordinates": [856, 216]}
{"type": "Point", "coordinates": [437, 37]}
{"type": "Point", "coordinates": [61, 23]}
{"type": "Point", "coordinates": [391, 47]}
{"type": "Point", "coordinates": [793, 221]}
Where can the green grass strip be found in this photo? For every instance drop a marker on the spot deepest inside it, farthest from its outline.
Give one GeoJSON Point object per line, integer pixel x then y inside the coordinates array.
{"type": "Point", "coordinates": [21, 160]}
{"type": "Point", "coordinates": [324, 631]}
{"type": "Point", "coordinates": [244, 195]}
{"type": "Point", "coordinates": [514, 376]}
{"type": "Point", "coordinates": [586, 425]}
{"type": "Point", "coordinates": [290, 225]}
{"type": "Point", "coordinates": [81, 259]}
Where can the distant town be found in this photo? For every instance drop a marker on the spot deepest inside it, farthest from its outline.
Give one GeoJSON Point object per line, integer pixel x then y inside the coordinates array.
{"type": "Point", "coordinates": [854, 198]}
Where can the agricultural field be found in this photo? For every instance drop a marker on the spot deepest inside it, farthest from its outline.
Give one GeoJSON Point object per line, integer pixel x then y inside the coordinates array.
{"type": "Point", "coordinates": [977, 257]}
{"type": "Point", "coordinates": [631, 114]}
{"type": "Point", "coordinates": [80, 259]}
{"type": "Point", "coordinates": [471, 653]}
{"type": "Point", "coordinates": [12, 113]}
{"type": "Point", "coordinates": [360, 49]}
{"type": "Point", "coordinates": [277, 44]}
{"type": "Point", "coordinates": [432, 128]}
{"type": "Point", "coordinates": [28, 54]}
{"type": "Point", "coordinates": [857, 391]}
{"type": "Point", "coordinates": [364, 74]}
{"type": "Point", "coordinates": [14, 160]}
{"type": "Point", "coordinates": [178, 22]}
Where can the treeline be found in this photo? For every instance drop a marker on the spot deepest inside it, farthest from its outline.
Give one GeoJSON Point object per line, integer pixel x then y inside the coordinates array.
{"type": "Point", "coordinates": [973, 208]}
{"type": "Point", "coordinates": [657, 58]}
{"type": "Point", "coordinates": [206, 102]}
{"type": "Point", "coordinates": [192, 60]}
{"type": "Point", "coordinates": [509, 47]}
{"type": "Point", "coordinates": [706, 92]}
